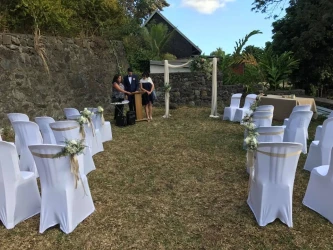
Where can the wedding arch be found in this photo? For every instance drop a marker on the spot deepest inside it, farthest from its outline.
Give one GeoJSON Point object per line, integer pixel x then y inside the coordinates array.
{"type": "Point", "coordinates": [167, 90]}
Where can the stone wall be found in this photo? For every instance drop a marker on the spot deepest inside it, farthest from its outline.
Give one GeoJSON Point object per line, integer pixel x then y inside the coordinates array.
{"type": "Point", "coordinates": [81, 72]}
{"type": "Point", "coordinates": [193, 89]}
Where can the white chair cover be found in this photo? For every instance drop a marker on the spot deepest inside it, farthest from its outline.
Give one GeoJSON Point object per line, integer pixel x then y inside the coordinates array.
{"type": "Point", "coordinates": [268, 108]}
{"type": "Point", "coordinates": [71, 111]}
{"type": "Point", "coordinates": [28, 134]}
{"type": "Point", "coordinates": [319, 129]}
{"type": "Point", "coordinates": [241, 112]}
{"type": "Point", "coordinates": [19, 195]}
{"type": "Point", "coordinates": [13, 117]}
{"type": "Point", "coordinates": [262, 118]}
{"type": "Point", "coordinates": [318, 196]}
{"type": "Point", "coordinates": [62, 203]}
{"type": "Point", "coordinates": [320, 151]}
{"type": "Point", "coordinates": [271, 134]}
{"type": "Point", "coordinates": [297, 128]}
{"type": "Point", "coordinates": [106, 131]}
{"type": "Point", "coordinates": [93, 140]}
{"type": "Point", "coordinates": [298, 108]}
{"type": "Point", "coordinates": [229, 112]}
{"type": "Point", "coordinates": [70, 130]}
{"type": "Point", "coordinates": [44, 127]}
{"type": "Point", "coordinates": [98, 137]}
{"type": "Point", "coordinates": [271, 190]}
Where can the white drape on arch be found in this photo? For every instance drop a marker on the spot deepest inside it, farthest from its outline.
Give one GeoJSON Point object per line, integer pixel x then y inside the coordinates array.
{"type": "Point", "coordinates": [213, 112]}
{"type": "Point", "coordinates": [214, 86]}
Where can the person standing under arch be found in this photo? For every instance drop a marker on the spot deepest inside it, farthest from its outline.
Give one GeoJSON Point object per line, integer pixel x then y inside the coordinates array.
{"type": "Point", "coordinates": [147, 86]}
{"type": "Point", "coordinates": [131, 85]}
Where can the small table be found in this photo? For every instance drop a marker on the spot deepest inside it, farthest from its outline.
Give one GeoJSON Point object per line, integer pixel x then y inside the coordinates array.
{"type": "Point", "coordinates": [283, 107]}
{"type": "Point", "coordinates": [120, 103]}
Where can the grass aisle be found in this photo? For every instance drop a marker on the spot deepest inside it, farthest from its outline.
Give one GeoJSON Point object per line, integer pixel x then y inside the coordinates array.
{"type": "Point", "coordinates": [177, 183]}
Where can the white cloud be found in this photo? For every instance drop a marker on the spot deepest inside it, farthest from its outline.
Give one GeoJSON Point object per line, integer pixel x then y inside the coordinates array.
{"type": "Point", "coordinates": [205, 6]}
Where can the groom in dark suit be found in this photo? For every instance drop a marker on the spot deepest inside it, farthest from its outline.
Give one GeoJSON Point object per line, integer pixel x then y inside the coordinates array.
{"type": "Point", "coordinates": [131, 84]}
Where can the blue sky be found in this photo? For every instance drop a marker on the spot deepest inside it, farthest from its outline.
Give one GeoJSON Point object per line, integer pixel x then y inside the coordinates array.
{"type": "Point", "coordinates": [218, 23]}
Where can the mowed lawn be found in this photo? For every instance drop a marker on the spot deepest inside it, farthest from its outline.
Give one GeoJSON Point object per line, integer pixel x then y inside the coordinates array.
{"type": "Point", "coordinates": [177, 183]}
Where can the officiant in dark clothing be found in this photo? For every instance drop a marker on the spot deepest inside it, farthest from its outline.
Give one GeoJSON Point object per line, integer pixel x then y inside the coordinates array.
{"type": "Point", "coordinates": [131, 83]}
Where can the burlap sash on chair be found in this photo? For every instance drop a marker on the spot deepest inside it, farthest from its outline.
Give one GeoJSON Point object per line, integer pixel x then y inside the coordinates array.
{"type": "Point", "coordinates": [250, 161]}
{"type": "Point", "coordinates": [74, 166]}
{"type": "Point", "coordinates": [92, 126]}
{"type": "Point", "coordinates": [263, 117]}
{"type": "Point", "coordinates": [280, 155]}
{"type": "Point", "coordinates": [272, 133]}
{"type": "Point", "coordinates": [102, 117]}
{"type": "Point", "coordinates": [82, 132]}
{"type": "Point", "coordinates": [64, 129]}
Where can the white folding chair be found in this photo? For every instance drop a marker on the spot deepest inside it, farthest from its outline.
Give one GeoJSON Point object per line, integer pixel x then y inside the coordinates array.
{"type": "Point", "coordinates": [19, 195]}
{"type": "Point", "coordinates": [262, 118]}
{"type": "Point", "coordinates": [319, 129]}
{"type": "Point", "coordinates": [71, 111]}
{"type": "Point", "coordinates": [62, 203]}
{"type": "Point", "coordinates": [320, 151]}
{"type": "Point", "coordinates": [241, 112]}
{"type": "Point", "coordinates": [229, 112]}
{"type": "Point", "coordinates": [270, 134]}
{"type": "Point", "coordinates": [28, 134]}
{"type": "Point", "coordinates": [298, 108]}
{"type": "Point", "coordinates": [13, 117]}
{"type": "Point", "coordinates": [70, 130]}
{"type": "Point", "coordinates": [297, 128]}
{"type": "Point", "coordinates": [44, 127]}
{"type": "Point", "coordinates": [271, 190]}
{"type": "Point", "coordinates": [318, 195]}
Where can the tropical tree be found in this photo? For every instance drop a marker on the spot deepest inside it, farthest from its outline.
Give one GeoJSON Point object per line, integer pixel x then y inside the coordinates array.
{"type": "Point", "coordinates": [241, 42]}
{"type": "Point", "coordinates": [278, 67]}
{"type": "Point", "coordinates": [157, 36]}
{"type": "Point", "coordinates": [219, 53]}
{"type": "Point", "coordinates": [270, 7]}
{"type": "Point", "coordinates": [253, 50]}
{"type": "Point", "coordinates": [306, 30]}
{"type": "Point", "coordinates": [141, 9]}
{"type": "Point", "coordinates": [272, 68]}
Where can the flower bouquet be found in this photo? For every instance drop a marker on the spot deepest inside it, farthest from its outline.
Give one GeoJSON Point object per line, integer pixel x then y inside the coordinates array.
{"type": "Point", "coordinates": [202, 64]}
{"type": "Point", "coordinates": [88, 115]}
{"type": "Point", "coordinates": [82, 120]}
{"type": "Point", "coordinates": [73, 148]}
{"type": "Point", "coordinates": [100, 111]}
{"type": "Point", "coordinates": [167, 87]}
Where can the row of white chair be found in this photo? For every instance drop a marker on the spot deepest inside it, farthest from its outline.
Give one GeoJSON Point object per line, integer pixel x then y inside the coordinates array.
{"type": "Point", "coordinates": [234, 112]}
{"type": "Point", "coordinates": [270, 194]}
{"type": "Point", "coordinates": [61, 202]}
{"type": "Point", "coordinates": [317, 196]}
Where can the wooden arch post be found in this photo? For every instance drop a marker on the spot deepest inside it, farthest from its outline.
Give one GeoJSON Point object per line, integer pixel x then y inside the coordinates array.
{"type": "Point", "coordinates": [214, 87]}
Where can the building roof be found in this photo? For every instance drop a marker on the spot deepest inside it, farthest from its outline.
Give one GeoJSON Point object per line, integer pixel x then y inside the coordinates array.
{"type": "Point", "coordinates": [174, 27]}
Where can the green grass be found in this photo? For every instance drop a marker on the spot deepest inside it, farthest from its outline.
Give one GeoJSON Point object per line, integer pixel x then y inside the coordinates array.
{"type": "Point", "coordinates": [177, 183]}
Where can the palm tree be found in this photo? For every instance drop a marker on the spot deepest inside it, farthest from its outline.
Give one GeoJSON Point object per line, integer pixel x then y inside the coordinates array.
{"type": "Point", "coordinates": [272, 68]}
{"type": "Point", "coordinates": [157, 36]}
{"type": "Point", "coordinates": [277, 68]}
